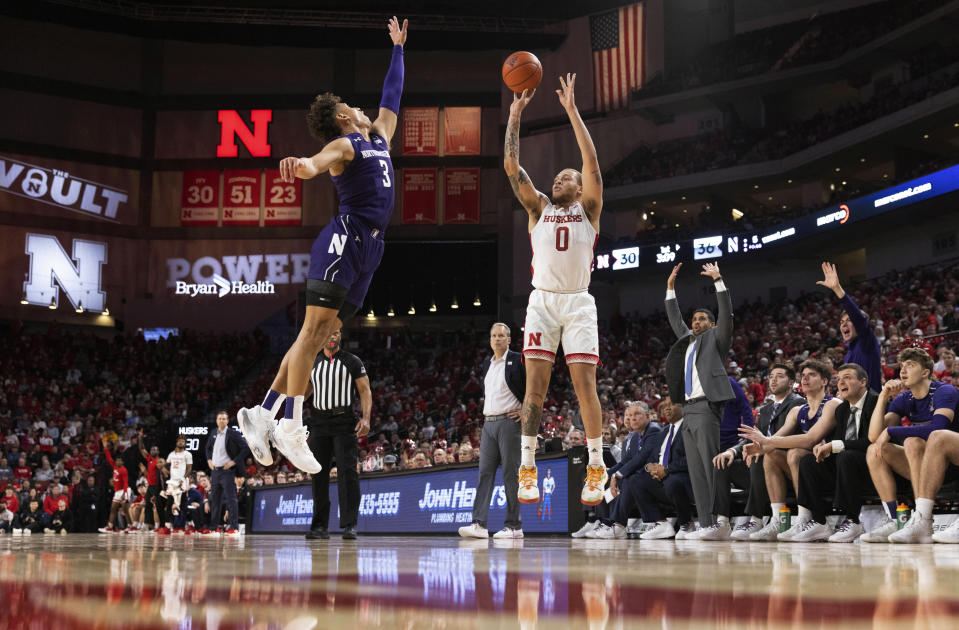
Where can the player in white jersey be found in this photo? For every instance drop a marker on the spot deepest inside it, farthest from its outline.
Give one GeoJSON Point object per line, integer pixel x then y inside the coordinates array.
{"type": "Point", "coordinates": [180, 462]}
{"type": "Point", "coordinates": [563, 233]}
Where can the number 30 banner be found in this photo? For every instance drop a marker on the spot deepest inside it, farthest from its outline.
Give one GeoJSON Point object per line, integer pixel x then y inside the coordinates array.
{"type": "Point", "coordinates": [284, 202]}
{"type": "Point", "coordinates": [201, 198]}
{"type": "Point", "coordinates": [241, 197]}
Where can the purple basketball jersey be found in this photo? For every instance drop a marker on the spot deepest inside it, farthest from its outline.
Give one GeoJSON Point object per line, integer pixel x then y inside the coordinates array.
{"type": "Point", "coordinates": [365, 188]}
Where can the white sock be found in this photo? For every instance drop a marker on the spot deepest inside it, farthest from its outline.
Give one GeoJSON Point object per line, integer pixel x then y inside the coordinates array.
{"type": "Point", "coordinates": [776, 507]}
{"type": "Point", "coordinates": [805, 514]}
{"type": "Point", "coordinates": [594, 446]}
{"type": "Point", "coordinates": [528, 450]}
{"type": "Point", "coordinates": [924, 507]}
{"type": "Point", "coordinates": [275, 409]}
{"type": "Point", "coordinates": [722, 520]}
{"type": "Point", "coordinates": [292, 424]}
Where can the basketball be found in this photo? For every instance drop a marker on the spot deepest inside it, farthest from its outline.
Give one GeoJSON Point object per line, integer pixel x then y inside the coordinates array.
{"type": "Point", "coordinates": [522, 71]}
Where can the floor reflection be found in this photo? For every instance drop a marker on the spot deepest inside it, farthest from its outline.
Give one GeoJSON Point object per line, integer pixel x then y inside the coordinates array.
{"type": "Point", "coordinates": [289, 584]}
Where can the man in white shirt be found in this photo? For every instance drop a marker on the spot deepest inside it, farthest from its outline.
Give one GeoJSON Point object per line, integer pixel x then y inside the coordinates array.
{"type": "Point", "coordinates": [505, 388]}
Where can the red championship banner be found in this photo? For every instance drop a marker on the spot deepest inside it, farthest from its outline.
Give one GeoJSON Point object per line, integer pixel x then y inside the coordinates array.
{"type": "Point", "coordinates": [241, 197]}
{"type": "Point", "coordinates": [462, 126]}
{"type": "Point", "coordinates": [419, 195]}
{"type": "Point", "coordinates": [284, 201]}
{"type": "Point", "coordinates": [462, 195]}
{"type": "Point", "coordinates": [200, 203]}
{"type": "Point", "coordinates": [421, 130]}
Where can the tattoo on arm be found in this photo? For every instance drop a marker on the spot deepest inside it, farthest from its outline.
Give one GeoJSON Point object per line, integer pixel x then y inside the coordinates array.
{"type": "Point", "coordinates": [514, 184]}
{"type": "Point", "coordinates": [597, 177]}
{"type": "Point", "coordinates": [532, 416]}
{"type": "Point", "coordinates": [512, 139]}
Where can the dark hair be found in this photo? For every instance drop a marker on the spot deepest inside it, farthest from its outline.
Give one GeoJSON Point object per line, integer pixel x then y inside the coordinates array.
{"type": "Point", "coordinates": [321, 119]}
{"type": "Point", "coordinates": [223, 411]}
{"type": "Point", "coordinates": [819, 366]}
{"type": "Point", "coordinates": [709, 314]}
{"type": "Point", "coordinates": [918, 355]}
{"type": "Point", "coordinates": [791, 373]}
{"type": "Point", "coordinates": [860, 371]}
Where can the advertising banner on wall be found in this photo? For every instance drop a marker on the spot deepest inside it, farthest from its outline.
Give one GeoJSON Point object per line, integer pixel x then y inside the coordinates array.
{"type": "Point", "coordinates": [284, 201]}
{"type": "Point", "coordinates": [462, 195]}
{"type": "Point", "coordinates": [419, 195]}
{"type": "Point", "coordinates": [462, 130]}
{"type": "Point", "coordinates": [420, 130]}
{"type": "Point", "coordinates": [241, 197]}
{"type": "Point", "coordinates": [200, 202]}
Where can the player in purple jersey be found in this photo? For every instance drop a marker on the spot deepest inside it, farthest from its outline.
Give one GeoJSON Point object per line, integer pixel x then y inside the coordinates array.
{"type": "Point", "coordinates": [344, 255]}
{"type": "Point", "coordinates": [930, 406]}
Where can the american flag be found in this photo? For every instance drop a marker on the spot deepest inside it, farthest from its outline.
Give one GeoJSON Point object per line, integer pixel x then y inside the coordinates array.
{"type": "Point", "coordinates": [617, 38]}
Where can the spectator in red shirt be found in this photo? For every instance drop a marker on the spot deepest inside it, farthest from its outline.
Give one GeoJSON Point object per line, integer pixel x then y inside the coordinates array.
{"type": "Point", "coordinates": [22, 471]}
{"type": "Point", "coordinates": [53, 498]}
{"type": "Point", "coordinates": [10, 497]}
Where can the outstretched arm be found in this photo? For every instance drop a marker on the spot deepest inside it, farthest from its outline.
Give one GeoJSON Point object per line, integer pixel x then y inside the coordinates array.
{"type": "Point", "coordinates": [533, 200]}
{"type": "Point", "coordinates": [592, 177]}
{"type": "Point", "coordinates": [672, 305]}
{"type": "Point", "coordinates": [333, 154]}
{"type": "Point", "coordinates": [385, 123]}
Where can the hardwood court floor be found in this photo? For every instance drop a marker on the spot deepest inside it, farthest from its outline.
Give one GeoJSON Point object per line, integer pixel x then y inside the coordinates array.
{"type": "Point", "coordinates": [400, 583]}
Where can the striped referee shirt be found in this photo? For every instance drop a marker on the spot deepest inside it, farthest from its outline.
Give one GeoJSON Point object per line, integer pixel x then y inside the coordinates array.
{"type": "Point", "coordinates": [334, 380]}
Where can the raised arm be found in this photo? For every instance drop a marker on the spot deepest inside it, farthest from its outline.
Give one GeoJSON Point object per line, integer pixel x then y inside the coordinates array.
{"type": "Point", "coordinates": [673, 313]}
{"type": "Point", "coordinates": [333, 155]}
{"type": "Point", "coordinates": [592, 198]}
{"type": "Point", "coordinates": [831, 281]}
{"type": "Point", "coordinates": [724, 316]}
{"type": "Point", "coordinates": [143, 451]}
{"type": "Point", "coordinates": [385, 123]}
{"type": "Point", "coordinates": [533, 200]}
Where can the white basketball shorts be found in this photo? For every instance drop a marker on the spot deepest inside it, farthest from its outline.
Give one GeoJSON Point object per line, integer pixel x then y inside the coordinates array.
{"type": "Point", "coordinates": [122, 496]}
{"type": "Point", "coordinates": [567, 318]}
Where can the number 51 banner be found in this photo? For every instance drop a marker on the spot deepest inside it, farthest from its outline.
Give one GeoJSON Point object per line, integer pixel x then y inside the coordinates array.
{"type": "Point", "coordinates": [241, 197]}
{"type": "Point", "coordinates": [284, 201]}
{"type": "Point", "coordinates": [200, 202]}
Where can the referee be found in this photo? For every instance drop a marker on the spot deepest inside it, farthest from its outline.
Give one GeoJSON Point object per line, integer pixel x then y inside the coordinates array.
{"type": "Point", "coordinates": [336, 379]}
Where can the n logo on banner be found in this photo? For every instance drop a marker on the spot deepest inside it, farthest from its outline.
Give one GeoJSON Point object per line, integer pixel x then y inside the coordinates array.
{"type": "Point", "coordinates": [231, 126]}
{"type": "Point", "coordinates": [337, 244]}
{"type": "Point", "coordinates": [81, 281]}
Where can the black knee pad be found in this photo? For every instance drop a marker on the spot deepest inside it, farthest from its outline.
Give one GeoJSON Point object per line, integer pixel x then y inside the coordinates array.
{"type": "Point", "coordinates": [324, 293]}
{"type": "Point", "coordinates": [347, 311]}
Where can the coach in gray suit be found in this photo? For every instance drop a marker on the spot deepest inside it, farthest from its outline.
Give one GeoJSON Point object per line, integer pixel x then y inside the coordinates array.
{"type": "Point", "coordinates": [696, 375]}
{"type": "Point", "coordinates": [504, 380]}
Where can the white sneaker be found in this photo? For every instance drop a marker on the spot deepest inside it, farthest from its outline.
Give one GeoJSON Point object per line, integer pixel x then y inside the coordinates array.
{"type": "Point", "coordinates": [594, 533]}
{"type": "Point", "coordinates": [812, 532]}
{"type": "Point", "coordinates": [528, 485]}
{"type": "Point", "coordinates": [847, 532]}
{"type": "Point", "coordinates": [949, 534]}
{"type": "Point", "coordinates": [881, 534]}
{"type": "Point", "coordinates": [687, 531]}
{"type": "Point", "coordinates": [917, 530]}
{"type": "Point", "coordinates": [661, 531]}
{"type": "Point", "coordinates": [594, 485]}
{"type": "Point", "coordinates": [47, 530]}
{"type": "Point", "coordinates": [744, 531]}
{"type": "Point", "coordinates": [474, 530]}
{"type": "Point", "coordinates": [609, 533]}
{"type": "Point", "coordinates": [797, 526]}
{"type": "Point", "coordinates": [509, 532]}
{"type": "Point", "coordinates": [294, 447]}
{"type": "Point", "coordinates": [27, 532]}
{"type": "Point", "coordinates": [768, 533]}
{"type": "Point", "coordinates": [257, 424]}
{"type": "Point", "coordinates": [587, 527]}
{"type": "Point", "coordinates": [17, 531]}
{"type": "Point", "coordinates": [717, 531]}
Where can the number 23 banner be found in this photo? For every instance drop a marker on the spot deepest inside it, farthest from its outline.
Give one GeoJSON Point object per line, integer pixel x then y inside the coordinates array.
{"type": "Point", "coordinates": [201, 198]}
{"type": "Point", "coordinates": [241, 197]}
{"type": "Point", "coordinates": [284, 201]}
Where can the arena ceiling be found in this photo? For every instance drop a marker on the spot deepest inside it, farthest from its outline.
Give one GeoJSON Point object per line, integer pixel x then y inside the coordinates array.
{"type": "Point", "coordinates": [438, 24]}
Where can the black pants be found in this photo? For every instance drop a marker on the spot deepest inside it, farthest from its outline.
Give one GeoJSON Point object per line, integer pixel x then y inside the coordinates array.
{"type": "Point", "coordinates": [649, 494]}
{"type": "Point", "coordinates": [329, 438]}
{"type": "Point", "coordinates": [223, 496]}
{"type": "Point", "coordinates": [845, 474]}
{"type": "Point", "coordinates": [153, 498]}
{"type": "Point", "coordinates": [741, 476]}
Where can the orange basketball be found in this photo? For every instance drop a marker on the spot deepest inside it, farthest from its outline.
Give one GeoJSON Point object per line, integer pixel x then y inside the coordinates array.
{"type": "Point", "coordinates": [522, 71]}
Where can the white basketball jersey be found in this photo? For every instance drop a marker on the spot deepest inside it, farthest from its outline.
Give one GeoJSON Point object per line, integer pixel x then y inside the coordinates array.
{"type": "Point", "coordinates": [178, 462]}
{"type": "Point", "coordinates": [562, 242]}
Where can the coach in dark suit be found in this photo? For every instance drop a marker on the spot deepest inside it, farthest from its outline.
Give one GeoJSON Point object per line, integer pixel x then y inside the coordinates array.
{"type": "Point", "coordinates": [772, 416]}
{"type": "Point", "coordinates": [226, 451]}
{"type": "Point", "coordinates": [636, 418]}
{"type": "Point", "coordinates": [839, 466]}
{"type": "Point", "coordinates": [696, 375]}
{"type": "Point", "coordinates": [504, 380]}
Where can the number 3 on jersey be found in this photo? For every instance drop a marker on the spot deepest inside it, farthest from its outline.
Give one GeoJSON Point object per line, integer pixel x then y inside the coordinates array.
{"type": "Point", "coordinates": [386, 174]}
{"type": "Point", "coordinates": [562, 238]}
